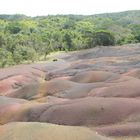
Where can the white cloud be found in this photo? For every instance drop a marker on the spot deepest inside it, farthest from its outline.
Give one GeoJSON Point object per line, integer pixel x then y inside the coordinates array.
{"type": "Point", "coordinates": [45, 7]}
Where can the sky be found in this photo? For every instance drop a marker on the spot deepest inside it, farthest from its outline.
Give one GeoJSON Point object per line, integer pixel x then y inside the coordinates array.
{"type": "Point", "coordinates": [53, 7]}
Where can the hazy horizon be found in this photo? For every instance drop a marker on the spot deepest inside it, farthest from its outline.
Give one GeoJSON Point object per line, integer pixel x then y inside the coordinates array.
{"type": "Point", "coordinates": [68, 14]}
{"type": "Point", "coordinates": [53, 7]}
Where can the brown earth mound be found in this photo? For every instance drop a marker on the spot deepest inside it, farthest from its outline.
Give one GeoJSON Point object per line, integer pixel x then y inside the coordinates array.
{"type": "Point", "coordinates": [93, 111]}
{"type": "Point", "coordinates": [98, 88]}
{"type": "Point", "coordinates": [87, 111]}
{"type": "Point", "coordinates": [19, 86]}
{"type": "Point", "coordinates": [44, 131]}
{"type": "Point", "coordinates": [128, 129]}
{"type": "Point", "coordinates": [124, 87]}
{"type": "Point", "coordinates": [93, 76]}
{"type": "Point", "coordinates": [10, 109]}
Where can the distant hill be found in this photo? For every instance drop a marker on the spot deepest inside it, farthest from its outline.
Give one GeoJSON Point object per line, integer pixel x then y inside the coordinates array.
{"type": "Point", "coordinates": [134, 14]}
{"type": "Point", "coordinates": [13, 17]}
{"type": "Point", "coordinates": [128, 17]}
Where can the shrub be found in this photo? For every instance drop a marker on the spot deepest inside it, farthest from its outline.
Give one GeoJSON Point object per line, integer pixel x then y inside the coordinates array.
{"type": "Point", "coordinates": [103, 38]}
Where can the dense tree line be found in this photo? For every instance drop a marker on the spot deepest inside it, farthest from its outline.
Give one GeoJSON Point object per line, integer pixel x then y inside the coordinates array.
{"type": "Point", "coordinates": [29, 39]}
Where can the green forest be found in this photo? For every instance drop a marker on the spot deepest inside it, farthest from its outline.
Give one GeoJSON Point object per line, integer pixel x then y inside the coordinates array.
{"type": "Point", "coordinates": [29, 39]}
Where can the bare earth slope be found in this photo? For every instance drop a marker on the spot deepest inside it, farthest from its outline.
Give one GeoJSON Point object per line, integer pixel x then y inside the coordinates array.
{"type": "Point", "coordinates": [81, 96]}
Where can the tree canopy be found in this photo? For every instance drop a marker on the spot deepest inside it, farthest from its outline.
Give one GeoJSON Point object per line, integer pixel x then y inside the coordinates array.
{"type": "Point", "coordinates": [29, 39]}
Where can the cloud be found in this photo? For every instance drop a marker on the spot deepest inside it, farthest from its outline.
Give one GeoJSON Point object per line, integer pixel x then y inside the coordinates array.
{"type": "Point", "coordinates": [45, 7]}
